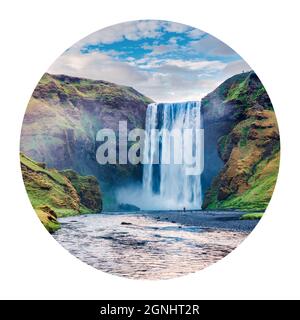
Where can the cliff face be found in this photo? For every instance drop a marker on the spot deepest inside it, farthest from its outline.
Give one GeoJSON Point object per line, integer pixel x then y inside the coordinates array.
{"type": "Point", "coordinates": [63, 117]}
{"type": "Point", "coordinates": [87, 188]}
{"type": "Point", "coordinates": [242, 140]}
{"type": "Point", "coordinates": [54, 195]}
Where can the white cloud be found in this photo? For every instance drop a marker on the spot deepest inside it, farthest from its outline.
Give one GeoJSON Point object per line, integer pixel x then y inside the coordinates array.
{"type": "Point", "coordinates": [210, 45]}
{"type": "Point", "coordinates": [174, 27]}
{"type": "Point", "coordinates": [160, 79]}
{"type": "Point", "coordinates": [195, 34]}
{"type": "Point", "coordinates": [196, 65]}
{"type": "Point", "coordinates": [235, 67]}
{"type": "Point", "coordinates": [133, 30]}
{"type": "Point", "coordinates": [97, 66]}
{"type": "Point", "coordinates": [173, 40]}
{"type": "Point", "coordinates": [173, 80]}
{"type": "Point", "coordinates": [160, 49]}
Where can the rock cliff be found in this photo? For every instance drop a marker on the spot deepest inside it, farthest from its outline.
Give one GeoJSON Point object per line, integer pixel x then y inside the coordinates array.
{"type": "Point", "coordinates": [62, 119]}
{"type": "Point", "coordinates": [241, 145]}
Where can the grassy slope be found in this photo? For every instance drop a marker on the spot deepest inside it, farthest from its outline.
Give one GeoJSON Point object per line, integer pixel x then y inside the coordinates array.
{"type": "Point", "coordinates": [65, 87]}
{"type": "Point", "coordinates": [261, 186]}
{"type": "Point", "coordinates": [48, 218]}
{"type": "Point", "coordinates": [51, 193]}
{"type": "Point", "coordinates": [87, 188]}
{"type": "Point", "coordinates": [250, 153]}
{"type": "Point", "coordinates": [62, 119]}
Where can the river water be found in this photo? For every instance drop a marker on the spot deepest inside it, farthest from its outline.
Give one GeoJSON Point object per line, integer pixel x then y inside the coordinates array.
{"type": "Point", "coordinates": [140, 246]}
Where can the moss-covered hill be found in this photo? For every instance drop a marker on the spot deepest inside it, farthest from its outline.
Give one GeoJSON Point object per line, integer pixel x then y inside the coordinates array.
{"type": "Point", "coordinates": [63, 117]}
{"type": "Point", "coordinates": [248, 145]}
{"type": "Point", "coordinates": [57, 194]}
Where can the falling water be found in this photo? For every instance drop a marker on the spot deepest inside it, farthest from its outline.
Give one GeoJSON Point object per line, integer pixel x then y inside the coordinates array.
{"type": "Point", "coordinates": [167, 175]}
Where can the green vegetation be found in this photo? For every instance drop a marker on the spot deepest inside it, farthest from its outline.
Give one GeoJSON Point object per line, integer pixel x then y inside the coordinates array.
{"type": "Point", "coordinates": [252, 216]}
{"type": "Point", "coordinates": [261, 186]}
{"type": "Point", "coordinates": [237, 91]}
{"type": "Point", "coordinates": [63, 117]}
{"type": "Point", "coordinates": [40, 168]}
{"type": "Point", "coordinates": [48, 218]}
{"type": "Point", "coordinates": [250, 150]}
{"type": "Point", "coordinates": [87, 188]}
{"type": "Point", "coordinates": [223, 143]}
{"type": "Point", "coordinates": [244, 136]}
{"type": "Point", "coordinates": [53, 195]}
{"type": "Point", "coordinates": [65, 87]}
{"type": "Point", "coordinates": [251, 180]}
{"type": "Point", "coordinates": [246, 91]}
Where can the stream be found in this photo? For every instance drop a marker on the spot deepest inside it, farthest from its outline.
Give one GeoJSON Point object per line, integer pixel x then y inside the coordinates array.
{"type": "Point", "coordinates": [144, 245]}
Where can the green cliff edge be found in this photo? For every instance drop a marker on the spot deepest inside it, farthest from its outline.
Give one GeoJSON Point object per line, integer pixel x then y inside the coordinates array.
{"type": "Point", "coordinates": [58, 194]}
{"type": "Point", "coordinates": [250, 149]}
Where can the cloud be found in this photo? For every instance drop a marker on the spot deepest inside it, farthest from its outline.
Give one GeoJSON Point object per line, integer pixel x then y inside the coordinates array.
{"type": "Point", "coordinates": [161, 49]}
{"type": "Point", "coordinates": [172, 80]}
{"type": "Point", "coordinates": [195, 34]}
{"type": "Point", "coordinates": [181, 67]}
{"type": "Point", "coordinates": [196, 65]}
{"type": "Point", "coordinates": [97, 66]}
{"type": "Point", "coordinates": [173, 40]}
{"type": "Point", "coordinates": [175, 27]}
{"type": "Point", "coordinates": [134, 30]}
{"type": "Point", "coordinates": [235, 67]}
{"type": "Point", "coordinates": [209, 45]}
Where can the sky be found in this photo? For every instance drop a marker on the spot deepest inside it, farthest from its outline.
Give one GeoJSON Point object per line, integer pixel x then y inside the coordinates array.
{"type": "Point", "coordinates": [166, 61]}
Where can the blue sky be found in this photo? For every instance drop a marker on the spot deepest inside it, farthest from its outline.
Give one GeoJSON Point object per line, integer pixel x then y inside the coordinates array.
{"type": "Point", "coordinates": [164, 60]}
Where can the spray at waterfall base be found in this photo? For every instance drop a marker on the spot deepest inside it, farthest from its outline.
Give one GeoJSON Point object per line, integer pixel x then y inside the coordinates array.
{"type": "Point", "coordinates": [170, 149]}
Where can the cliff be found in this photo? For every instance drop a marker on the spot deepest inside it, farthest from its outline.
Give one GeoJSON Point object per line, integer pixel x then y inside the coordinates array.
{"type": "Point", "coordinates": [63, 117]}
{"type": "Point", "coordinates": [242, 145]}
{"type": "Point", "coordinates": [52, 194]}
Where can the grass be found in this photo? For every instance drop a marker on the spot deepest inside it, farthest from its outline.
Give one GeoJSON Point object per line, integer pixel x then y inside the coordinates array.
{"type": "Point", "coordinates": [49, 221]}
{"type": "Point", "coordinates": [34, 166]}
{"type": "Point", "coordinates": [90, 89]}
{"type": "Point", "coordinates": [262, 184]}
{"type": "Point", "coordinates": [248, 160]}
{"type": "Point", "coordinates": [252, 216]}
{"type": "Point", "coordinates": [52, 194]}
{"type": "Point", "coordinates": [88, 190]}
{"type": "Point", "coordinates": [237, 91]}
{"type": "Point", "coordinates": [244, 137]}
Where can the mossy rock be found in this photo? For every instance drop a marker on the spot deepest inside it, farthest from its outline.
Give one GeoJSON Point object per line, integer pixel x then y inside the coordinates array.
{"type": "Point", "coordinates": [53, 195]}
{"type": "Point", "coordinates": [250, 148]}
{"type": "Point", "coordinates": [48, 218]}
{"type": "Point", "coordinates": [87, 188]}
{"type": "Point", "coordinates": [252, 216]}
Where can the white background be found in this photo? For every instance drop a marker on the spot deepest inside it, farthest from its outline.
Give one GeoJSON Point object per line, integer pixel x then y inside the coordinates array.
{"type": "Point", "coordinates": [34, 34]}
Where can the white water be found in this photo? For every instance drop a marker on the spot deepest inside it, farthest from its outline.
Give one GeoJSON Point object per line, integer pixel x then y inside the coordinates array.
{"type": "Point", "coordinates": [169, 185]}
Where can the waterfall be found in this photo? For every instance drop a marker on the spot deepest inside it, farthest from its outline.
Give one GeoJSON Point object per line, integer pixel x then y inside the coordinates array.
{"type": "Point", "coordinates": [174, 145]}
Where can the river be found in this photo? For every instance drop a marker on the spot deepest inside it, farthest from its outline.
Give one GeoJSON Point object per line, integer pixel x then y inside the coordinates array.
{"type": "Point", "coordinates": [148, 245]}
